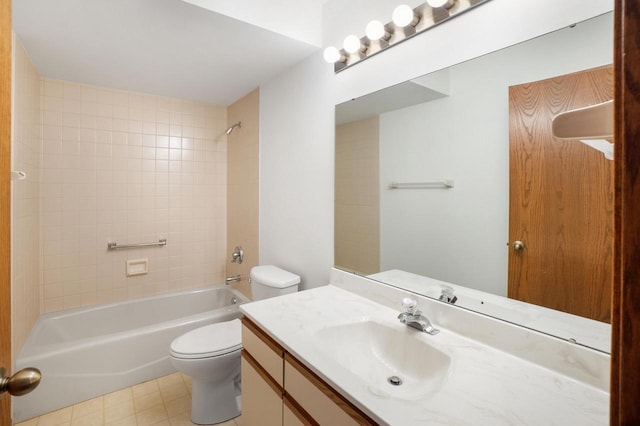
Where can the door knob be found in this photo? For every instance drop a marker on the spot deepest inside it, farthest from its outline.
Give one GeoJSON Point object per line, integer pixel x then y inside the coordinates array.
{"type": "Point", "coordinates": [518, 245]}
{"type": "Point", "coordinates": [21, 383]}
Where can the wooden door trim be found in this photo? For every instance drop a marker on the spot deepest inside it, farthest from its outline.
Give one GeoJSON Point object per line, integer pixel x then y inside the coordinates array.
{"type": "Point", "coordinates": [625, 353]}
{"type": "Point", "coordinates": [5, 200]}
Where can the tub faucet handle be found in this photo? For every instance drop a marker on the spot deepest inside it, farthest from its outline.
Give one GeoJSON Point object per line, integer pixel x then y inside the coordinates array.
{"type": "Point", "coordinates": [238, 255]}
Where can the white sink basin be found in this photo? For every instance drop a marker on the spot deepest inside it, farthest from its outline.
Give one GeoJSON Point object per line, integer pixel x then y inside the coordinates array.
{"type": "Point", "coordinates": [376, 351]}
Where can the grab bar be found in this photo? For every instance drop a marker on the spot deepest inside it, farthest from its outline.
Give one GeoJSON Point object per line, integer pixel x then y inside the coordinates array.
{"type": "Point", "coordinates": [116, 246]}
{"type": "Point", "coordinates": [447, 183]}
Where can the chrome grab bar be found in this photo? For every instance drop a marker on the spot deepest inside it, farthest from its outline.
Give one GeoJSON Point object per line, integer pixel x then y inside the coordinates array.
{"type": "Point", "coordinates": [446, 184]}
{"type": "Point", "coordinates": [116, 246]}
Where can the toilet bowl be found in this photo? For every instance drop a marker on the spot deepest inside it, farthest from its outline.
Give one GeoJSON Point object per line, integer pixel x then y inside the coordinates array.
{"type": "Point", "coordinates": [211, 354]}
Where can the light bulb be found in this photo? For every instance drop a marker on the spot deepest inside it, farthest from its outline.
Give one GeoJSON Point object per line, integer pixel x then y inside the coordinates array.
{"type": "Point", "coordinates": [352, 44]}
{"type": "Point", "coordinates": [440, 3]}
{"type": "Point", "coordinates": [375, 30]}
{"type": "Point", "coordinates": [403, 16]}
{"type": "Point", "coordinates": [332, 55]}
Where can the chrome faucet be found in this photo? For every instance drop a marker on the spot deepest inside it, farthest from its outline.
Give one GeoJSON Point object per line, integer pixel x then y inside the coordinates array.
{"type": "Point", "coordinates": [414, 318]}
{"type": "Point", "coordinates": [447, 295]}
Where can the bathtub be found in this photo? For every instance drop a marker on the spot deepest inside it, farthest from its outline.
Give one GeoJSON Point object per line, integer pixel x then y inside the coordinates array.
{"type": "Point", "coordinates": [87, 352]}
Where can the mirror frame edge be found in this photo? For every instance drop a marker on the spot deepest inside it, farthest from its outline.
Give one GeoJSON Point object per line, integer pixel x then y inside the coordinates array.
{"type": "Point", "coordinates": [625, 357]}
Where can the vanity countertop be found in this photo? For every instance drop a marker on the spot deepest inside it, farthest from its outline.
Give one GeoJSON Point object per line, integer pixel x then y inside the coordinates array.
{"type": "Point", "coordinates": [484, 385]}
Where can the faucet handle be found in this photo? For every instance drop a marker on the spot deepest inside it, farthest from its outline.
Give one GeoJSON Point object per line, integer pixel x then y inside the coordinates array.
{"type": "Point", "coordinates": [409, 305]}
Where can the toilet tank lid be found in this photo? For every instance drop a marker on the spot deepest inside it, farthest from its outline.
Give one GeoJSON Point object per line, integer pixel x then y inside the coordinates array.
{"type": "Point", "coordinates": [273, 276]}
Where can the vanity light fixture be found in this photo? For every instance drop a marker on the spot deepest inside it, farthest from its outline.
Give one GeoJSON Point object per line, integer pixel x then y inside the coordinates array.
{"type": "Point", "coordinates": [333, 55]}
{"type": "Point", "coordinates": [376, 30]}
{"type": "Point", "coordinates": [352, 45]}
{"type": "Point", "coordinates": [405, 23]}
{"type": "Point", "coordinates": [403, 16]}
{"type": "Point", "coordinates": [447, 4]}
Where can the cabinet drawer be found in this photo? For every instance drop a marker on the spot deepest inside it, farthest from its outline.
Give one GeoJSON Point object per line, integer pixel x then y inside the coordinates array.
{"type": "Point", "coordinates": [263, 349]}
{"type": "Point", "coordinates": [261, 403]}
{"type": "Point", "coordinates": [291, 415]}
{"type": "Point", "coordinates": [317, 398]}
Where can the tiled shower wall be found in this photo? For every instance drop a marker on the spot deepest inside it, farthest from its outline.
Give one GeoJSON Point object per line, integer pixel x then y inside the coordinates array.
{"type": "Point", "coordinates": [357, 208]}
{"type": "Point", "coordinates": [242, 188]}
{"type": "Point", "coordinates": [129, 167]}
{"type": "Point", "coordinates": [25, 197]}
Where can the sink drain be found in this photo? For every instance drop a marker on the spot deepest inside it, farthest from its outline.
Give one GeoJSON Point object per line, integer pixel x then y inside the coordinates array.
{"type": "Point", "coordinates": [394, 380]}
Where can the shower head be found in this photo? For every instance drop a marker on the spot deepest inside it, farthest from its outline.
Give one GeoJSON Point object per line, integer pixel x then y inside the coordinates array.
{"type": "Point", "coordinates": [230, 129]}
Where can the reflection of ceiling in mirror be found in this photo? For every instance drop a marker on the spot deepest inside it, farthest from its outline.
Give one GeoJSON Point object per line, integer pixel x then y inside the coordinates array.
{"type": "Point", "coordinates": [418, 91]}
{"type": "Point", "coordinates": [460, 235]}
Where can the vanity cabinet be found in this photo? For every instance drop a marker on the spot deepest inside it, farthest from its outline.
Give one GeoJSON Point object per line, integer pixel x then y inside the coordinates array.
{"type": "Point", "coordinates": [277, 389]}
{"type": "Point", "coordinates": [262, 377]}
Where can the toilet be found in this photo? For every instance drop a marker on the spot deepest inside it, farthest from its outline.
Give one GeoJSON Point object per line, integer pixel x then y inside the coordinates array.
{"type": "Point", "coordinates": [211, 354]}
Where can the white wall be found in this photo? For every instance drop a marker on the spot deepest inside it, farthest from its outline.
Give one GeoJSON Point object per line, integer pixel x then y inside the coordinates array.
{"type": "Point", "coordinates": [460, 235]}
{"type": "Point", "coordinates": [297, 118]}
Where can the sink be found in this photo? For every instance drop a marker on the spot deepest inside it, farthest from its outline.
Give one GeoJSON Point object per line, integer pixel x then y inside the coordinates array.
{"type": "Point", "coordinates": [376, 351]}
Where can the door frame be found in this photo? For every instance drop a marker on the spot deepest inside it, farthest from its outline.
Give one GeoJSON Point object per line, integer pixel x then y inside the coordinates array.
{"type": "Point", "coordinates": [625, 353]}
{"type": "Point", "coordinates": [5, 201]}
{"type": "Point", "coordinates": [625, 324]}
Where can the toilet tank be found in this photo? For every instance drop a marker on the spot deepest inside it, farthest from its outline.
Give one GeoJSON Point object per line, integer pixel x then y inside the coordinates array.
{"type": "Point", "coordinates": [270, 281]}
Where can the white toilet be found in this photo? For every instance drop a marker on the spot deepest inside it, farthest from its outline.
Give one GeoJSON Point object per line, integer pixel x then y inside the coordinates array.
{"type": "Point", "coordinates": [211, 354]}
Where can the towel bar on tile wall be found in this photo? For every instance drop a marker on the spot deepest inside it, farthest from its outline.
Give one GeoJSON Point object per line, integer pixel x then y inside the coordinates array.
{"type": "Point", "coordinates": [446, 184]}
{"type": "Point", "coordinates": [116, 246]}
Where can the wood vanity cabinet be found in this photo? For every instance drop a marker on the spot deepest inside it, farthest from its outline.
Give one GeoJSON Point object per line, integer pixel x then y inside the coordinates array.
{"type": "Point", "coordinates": [262, 377]}
{"type": "Point", "coordinates": [277, 389]}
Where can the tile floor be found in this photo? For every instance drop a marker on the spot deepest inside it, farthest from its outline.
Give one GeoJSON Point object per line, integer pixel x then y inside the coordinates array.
{"type": "Point", "coordinates": [164, 402]}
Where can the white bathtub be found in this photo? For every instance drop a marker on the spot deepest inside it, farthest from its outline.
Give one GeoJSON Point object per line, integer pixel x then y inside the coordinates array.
{"type": "Point", "coordinates": [87, 352]}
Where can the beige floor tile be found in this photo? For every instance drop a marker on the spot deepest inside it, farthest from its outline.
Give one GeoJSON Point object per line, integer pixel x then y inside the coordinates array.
{"type": "Point", "coordinates": [181, 420]}
{"type": "Point", "coordinates": [151, 416]}
{"type": "Point", "coordinates": [147, 401]}
{"type": "Point", "coordinates": [187, 381]}
{"type": "Point", "coordinates": [173, 392]}
{"type": "Point", "coordinates": [238, 420]}
{"type": "Point", "coordinates": [178, 406]}
{"type": "Point", "coordinates": [127, 421]}
{"type": "Point", "coordinates": [87, 407]}
{"type": "Point", "coordinates": [170, 380]}
{"type": "Point", "coordinates": [30, 422]}
{"type": "Point", "coordinates": [114, 412]}
{"type": "Point", "coordinates": [95, 418]}
{"type": "Point", "coordinates": [56, 418]}
{"type": "Point", "coordinates": [145, 388]}
{"type": "Point", "coordinates": [118, 397]}
{"type": "Point", "coordinates": [229, 423]}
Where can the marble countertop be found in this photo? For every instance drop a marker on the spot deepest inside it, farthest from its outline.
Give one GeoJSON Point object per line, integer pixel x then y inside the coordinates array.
{"type": "Point", "coordinates": [483, 386]}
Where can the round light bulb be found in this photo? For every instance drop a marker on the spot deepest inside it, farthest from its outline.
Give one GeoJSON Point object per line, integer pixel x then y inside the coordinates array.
{"type": "Point", "coordinates": [440, 3]}
{"type": "Point", "coordinates": [402, 16]}
{"type": "Point", "coordinates": [375, 30]}
{"type": "Point", "coordinates": [351, 44]}
{"type": "Point", "coordinates": [332, 55]}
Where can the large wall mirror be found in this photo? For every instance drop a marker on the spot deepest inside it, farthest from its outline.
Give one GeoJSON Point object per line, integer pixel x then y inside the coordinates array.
{"type": "Point", "coordinates": [423, 184]}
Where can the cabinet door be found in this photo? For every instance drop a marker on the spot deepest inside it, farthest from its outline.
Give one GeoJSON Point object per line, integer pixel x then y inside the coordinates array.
{"type": "Point", "coordinates": [293, 415]}
{"type": "Point", "coordinates": [261, 401]}
{"type": "Point", "coordinates": [264, 350]}
{"type": "Point", "coordinates": [318, 399]}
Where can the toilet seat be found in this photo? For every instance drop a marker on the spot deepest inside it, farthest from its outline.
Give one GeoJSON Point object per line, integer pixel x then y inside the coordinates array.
{"type": "Point", "coordinates": [209, 341]}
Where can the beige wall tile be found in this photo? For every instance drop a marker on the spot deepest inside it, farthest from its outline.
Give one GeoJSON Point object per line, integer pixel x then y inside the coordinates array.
{"type": "Point", "coordinates": [357, 196]}
{"type": "Point", "coordinates": [26, 154]}
{"type": "Point", "coordinates": [128, 174]}
{"type": "Point", "coordinates": [242, 188]}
